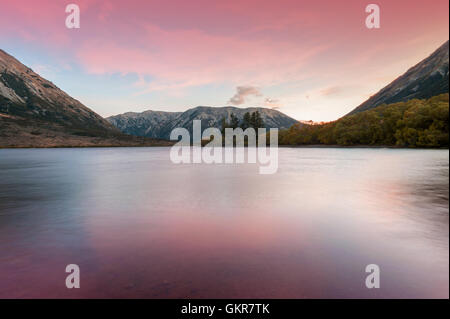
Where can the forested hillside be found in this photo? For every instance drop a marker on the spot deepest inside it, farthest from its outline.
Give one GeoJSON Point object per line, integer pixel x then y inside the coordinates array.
{"type": "Point", "coordinates": [415, 123]}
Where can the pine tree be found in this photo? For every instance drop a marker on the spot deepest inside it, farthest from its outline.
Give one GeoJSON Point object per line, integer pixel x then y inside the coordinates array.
{"type": "Point", "coordinates": [234, 122]}
{"type": "Point", "coordinates": [246, 121]}
{"type": "Point", "coordinates": [253, 120]}
{"type": "Point", "coordinates": [259, 123]}
{"type": "Point", "coordinates": [224, 125]}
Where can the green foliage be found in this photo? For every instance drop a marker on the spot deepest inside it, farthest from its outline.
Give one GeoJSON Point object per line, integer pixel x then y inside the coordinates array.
{"type": "Point", "coordinates": [250, 120]}
{"type": "Point", "coordinates": [259, 121]}
{"type": "Point", "coordinates": [415, 123]}
{"type": "Point", "coordinates": [246, 121]}
{"type": "Point", "coordinates": [253, 120]}
{"type": "Point", "coordinates": [234, 122]}
{"type": "Point", "coordinates": [224, 125]}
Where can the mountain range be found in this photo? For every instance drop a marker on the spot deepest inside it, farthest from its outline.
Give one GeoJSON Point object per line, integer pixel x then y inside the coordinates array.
{"type": "Point", "coordinates": [36, 113]}
{"type": "Point", "coordinates": [158, 124]}
{"type": "Point", "coordinates": [424, 80]}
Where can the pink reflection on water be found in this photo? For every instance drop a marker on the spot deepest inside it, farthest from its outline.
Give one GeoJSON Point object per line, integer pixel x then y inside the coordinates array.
{"type": "Point", "coordinates": [138, 227]}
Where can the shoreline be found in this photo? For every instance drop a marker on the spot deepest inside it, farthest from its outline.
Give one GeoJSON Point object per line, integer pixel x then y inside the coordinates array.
{"type": "Point", "coordinates": [280, 146]}
{"type": "Point", "coordinates": [363, 146]}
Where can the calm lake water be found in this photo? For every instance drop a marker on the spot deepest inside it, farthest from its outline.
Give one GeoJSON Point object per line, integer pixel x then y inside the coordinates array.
{"type": "Point", "coordinates": [139, 226]}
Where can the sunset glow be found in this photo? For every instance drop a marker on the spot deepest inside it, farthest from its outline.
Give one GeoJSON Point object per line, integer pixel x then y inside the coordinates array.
{"type": "Point", "coordinates": [313, 60]}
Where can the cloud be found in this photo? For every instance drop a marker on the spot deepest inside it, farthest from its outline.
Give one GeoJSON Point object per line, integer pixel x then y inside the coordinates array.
{"type": "Point", "coordinates": [330, 91]}
{"type": "Point", "coordinates": [341, 91]}
{"type": "Point", "coordinates": [272, 103]}
{"type": "Point", "coordinates": [173, 51]}
{"type": "Point", "coordinates": [184, 58]}
{"type": "Point", "coordinates": [293, 47]}
{"type": "Point", "coordinates": [242, 92]}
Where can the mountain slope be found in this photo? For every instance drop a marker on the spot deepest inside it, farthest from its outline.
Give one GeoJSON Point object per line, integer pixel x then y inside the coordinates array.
{"type": "Point", "coordinates": [34, 112]}
{"type": "Point", "coordinates": [158, 124]}
{"type": "Point", "coordinates": [148, 123]}
{"type": "Point", "coordinates": [426, 79]}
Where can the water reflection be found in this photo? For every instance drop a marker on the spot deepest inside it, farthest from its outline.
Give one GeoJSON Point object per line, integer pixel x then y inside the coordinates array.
{"type": "Point", "coordinates": [140, 226]}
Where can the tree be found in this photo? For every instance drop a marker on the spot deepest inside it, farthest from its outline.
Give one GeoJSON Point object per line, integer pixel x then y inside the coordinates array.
{"type": "Point", "coordinates": [415, 123]}
{"type": "Point", "coordinates": [259, 123]}
{"type": "Point", "coordinates": [234, 122]}
{"type": "Point", "coordinates": [224, 125]}
{"type": "Point", "coordinates": [246, 121]}
{"type": "Point", "coordinates": [253, 120]}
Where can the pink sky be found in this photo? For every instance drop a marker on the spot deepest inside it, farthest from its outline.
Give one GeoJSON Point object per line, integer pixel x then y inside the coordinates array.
{"type": "Point", "coordinates": [311, 59]}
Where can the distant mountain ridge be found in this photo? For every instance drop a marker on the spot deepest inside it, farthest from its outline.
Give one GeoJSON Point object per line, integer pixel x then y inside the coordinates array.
{"type": "Point", "coordinates": [147, 123]}
{"type": "Point", "coordinates": [159, 124]}
{"type": "Point", "coordinates": [426, 79]}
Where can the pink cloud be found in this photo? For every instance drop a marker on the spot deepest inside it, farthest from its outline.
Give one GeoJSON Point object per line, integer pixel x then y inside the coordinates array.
{"type": "Point", "coordinates": [181, 43]}
{"type": "Point", "coordinates": [242, 93]}
{"type": "Point", "coordinates": [194, 57]}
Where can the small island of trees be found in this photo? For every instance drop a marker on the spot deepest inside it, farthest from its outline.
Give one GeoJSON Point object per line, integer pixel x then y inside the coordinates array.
{"type": "Point", "coordinates": [253, 120]}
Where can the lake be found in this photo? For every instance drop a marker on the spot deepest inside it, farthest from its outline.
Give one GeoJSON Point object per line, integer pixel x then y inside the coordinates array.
{"type": "Point", "coordinates": [139, 226]}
